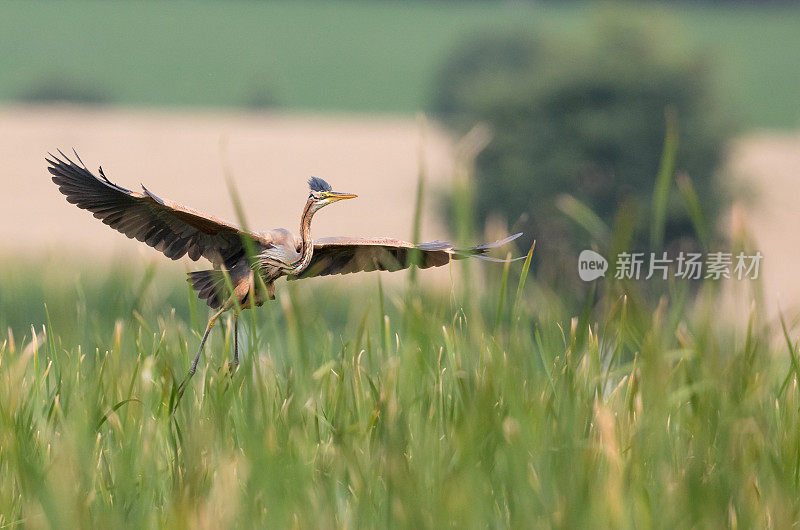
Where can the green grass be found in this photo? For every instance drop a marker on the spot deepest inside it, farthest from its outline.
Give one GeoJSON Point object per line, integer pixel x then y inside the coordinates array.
{"type": "Point", "coordinates": [496, 402]}
{"type": "Point", "coordinates": [405, 408]}
{"type": "Point", "coordinates": [344, 56]}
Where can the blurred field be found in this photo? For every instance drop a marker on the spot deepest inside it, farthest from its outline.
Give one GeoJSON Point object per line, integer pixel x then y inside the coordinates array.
{"type": "Point", "coordinates": [347, 56]}
{"type": "Point", "coordinates": [763, 168]}
{"type": "Point", "coordinates": [186, 156]}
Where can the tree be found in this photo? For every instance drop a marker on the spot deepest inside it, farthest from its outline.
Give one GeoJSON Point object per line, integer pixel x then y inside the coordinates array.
{"type": "Point", "coordinates": [584, 118]}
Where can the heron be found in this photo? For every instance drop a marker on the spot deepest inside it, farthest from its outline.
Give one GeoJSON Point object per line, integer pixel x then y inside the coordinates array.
{"type": "Point", "coordinates": [245, 264]}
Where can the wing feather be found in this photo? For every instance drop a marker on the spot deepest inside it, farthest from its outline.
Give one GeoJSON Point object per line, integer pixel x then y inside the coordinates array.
{"type": "Point", "coordinates": [160, 223]}
{"type": "Point", "coordinates": [345, 255]}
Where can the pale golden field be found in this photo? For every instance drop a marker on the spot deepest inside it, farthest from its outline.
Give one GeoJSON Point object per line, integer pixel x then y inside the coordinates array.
{"type": "Point", "coordinates": [187, 155]}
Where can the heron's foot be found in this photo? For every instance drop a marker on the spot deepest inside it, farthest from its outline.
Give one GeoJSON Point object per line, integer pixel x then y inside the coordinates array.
{"type": "Point", "coordinates": [231, 368]}
{"type": "Point", "coordinates": [181, 390]}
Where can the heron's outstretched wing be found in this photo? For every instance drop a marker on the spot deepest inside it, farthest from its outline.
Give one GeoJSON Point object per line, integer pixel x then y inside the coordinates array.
{"type": "Point", "coordinates": [344, 255]}
{"type": "Point", "coordinates": [162, 224]}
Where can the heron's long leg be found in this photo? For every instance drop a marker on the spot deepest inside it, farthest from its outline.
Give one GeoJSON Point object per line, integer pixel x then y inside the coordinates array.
{"type": "Point", "coordinates": [210, 325]}
{"type": "Point", "coordinates": [193, 368]}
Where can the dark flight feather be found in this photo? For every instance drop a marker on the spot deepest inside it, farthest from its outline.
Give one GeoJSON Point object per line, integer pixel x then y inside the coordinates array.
{"type": "Point", "coordinates": [160, 223]}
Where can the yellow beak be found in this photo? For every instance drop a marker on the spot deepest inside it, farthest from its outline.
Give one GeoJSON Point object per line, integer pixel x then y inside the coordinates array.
{"type": "Point", "coordinates": [336, 196]}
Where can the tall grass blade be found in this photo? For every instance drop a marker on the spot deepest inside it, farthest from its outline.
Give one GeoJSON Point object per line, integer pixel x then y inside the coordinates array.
{"type": "Point", "coordinates": [501, 299]}
{"type": "Point", "coordinates": [584, 216]}
{"type": "Point", "coordinates": [693, 208]}
{"type": "Point", "coordinates": [416, 228]}
{"type": "Point", "coordinates": [526, 266]}
{"type": "Point", "coordinates": [664, 180]}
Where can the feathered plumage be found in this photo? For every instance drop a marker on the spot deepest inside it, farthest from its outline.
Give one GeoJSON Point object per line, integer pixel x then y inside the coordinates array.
{"type": "Point", "coordinates": [317, 184]}
{"type": "Point", "coordinates": [178, 231]}
{"type": "Point", "coordinates": [162, 224]}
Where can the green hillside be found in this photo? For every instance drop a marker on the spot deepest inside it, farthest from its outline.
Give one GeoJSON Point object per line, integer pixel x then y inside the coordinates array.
{"type": "Point", "coordinates": [339, 56]}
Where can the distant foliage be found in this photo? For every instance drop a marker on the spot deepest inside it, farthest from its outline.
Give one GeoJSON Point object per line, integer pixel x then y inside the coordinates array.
{"type": "Point", "coordinates": [56, 88]}
{"type": "Point", "coordinates": [261, 95]}
{"type": "Point", "coordinates": [584, 118]}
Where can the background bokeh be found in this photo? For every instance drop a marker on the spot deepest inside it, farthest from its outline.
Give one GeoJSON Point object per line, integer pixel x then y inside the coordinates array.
{"type": "Point", "coordinates": [574, 99]}
{"type": "Point", "coordinates": [474, 395]}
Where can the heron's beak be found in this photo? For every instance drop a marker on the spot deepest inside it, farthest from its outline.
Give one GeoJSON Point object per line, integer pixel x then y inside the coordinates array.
{"type": "Point", "coordinates": [336, 196]}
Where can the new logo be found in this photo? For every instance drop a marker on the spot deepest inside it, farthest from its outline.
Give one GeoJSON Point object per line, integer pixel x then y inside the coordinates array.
{"type": "Point", "coordinates": [591, 265]}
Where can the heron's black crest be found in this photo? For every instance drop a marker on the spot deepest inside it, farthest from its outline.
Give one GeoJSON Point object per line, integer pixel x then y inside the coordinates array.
{"type": "Point", "coordinates": [317, 184]}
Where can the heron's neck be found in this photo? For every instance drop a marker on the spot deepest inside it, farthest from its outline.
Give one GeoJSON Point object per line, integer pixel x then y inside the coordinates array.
{"type": "Point", "coordinates": [306, 243]}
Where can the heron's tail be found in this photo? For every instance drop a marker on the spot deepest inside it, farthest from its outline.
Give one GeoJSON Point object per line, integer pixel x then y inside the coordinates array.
{"type": "Point", "coordinates": [211, 286]}
{"type": "Point", "coordinates": [480, 250]}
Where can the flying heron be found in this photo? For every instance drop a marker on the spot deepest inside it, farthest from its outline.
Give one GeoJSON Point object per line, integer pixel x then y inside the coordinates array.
{"type": "Point", "coordinates": [233, 283]}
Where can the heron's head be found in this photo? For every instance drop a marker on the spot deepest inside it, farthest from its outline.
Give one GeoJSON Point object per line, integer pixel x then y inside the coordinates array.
{"type": "Point", "coordinates": [322, 194]}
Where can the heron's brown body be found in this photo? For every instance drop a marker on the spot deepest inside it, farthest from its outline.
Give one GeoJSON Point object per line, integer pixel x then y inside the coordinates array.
{"type": "Point", "coordinates": [238, 255]}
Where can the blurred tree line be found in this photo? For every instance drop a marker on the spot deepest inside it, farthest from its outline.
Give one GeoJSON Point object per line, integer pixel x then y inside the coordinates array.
{"type": "Point", "coordinates": [584, 117]}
